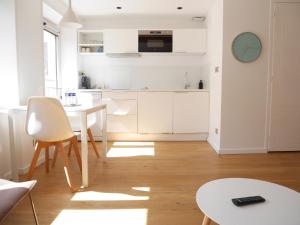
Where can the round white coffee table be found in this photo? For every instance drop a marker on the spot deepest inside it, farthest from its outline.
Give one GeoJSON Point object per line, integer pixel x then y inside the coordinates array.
{"type": "Point", "coordinates": [282, 205]}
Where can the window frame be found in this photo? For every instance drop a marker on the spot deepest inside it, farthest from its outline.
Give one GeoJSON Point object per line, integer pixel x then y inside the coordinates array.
{"type": "Point", "coordinates": [56, 33]}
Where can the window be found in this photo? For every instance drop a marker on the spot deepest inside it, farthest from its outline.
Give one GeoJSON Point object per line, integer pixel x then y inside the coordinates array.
{"type": "Point", "coordinates": [50, 64]}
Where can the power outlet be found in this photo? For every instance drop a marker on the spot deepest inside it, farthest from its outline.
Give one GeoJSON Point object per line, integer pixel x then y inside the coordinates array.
{"type": "Point", "coordinates": [216, 131]}
{"type": "Point", "coordinates": [217, 69]}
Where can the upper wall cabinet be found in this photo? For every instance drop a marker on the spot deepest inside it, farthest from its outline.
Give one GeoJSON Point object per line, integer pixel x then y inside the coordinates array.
{"type": "Point", "coordinates": [189, 41]}
{"type": "Point", "coordinates": [121, 40]}
{"type": "Point", "coordinates": [90, 42]}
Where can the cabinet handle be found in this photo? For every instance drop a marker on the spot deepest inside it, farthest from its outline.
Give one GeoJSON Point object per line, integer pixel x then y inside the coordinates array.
{"type": "Point", "coordinates": [120, 114]}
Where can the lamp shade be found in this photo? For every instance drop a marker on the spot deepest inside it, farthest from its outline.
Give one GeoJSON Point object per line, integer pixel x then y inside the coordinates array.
{"type": "Point", "coordinates": [70, 20]}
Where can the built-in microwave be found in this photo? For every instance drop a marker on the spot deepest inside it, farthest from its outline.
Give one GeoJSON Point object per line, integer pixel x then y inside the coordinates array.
{"type": "Point", "coordinates": [155, 41]}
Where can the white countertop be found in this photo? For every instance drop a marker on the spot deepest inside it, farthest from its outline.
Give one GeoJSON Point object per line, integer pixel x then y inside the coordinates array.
{"type": "Point", "coordinates": [143, 90]}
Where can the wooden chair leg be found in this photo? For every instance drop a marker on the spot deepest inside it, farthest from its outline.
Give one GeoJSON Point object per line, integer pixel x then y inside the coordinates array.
{"type": "Point", "coordinates": [70, 148]}
{"type": "Point", "coordinates": [55, 156]}
{"type": "Point", "coordinates": [47, 159]}
{"type": "Point", "coordinates": [67, 166]}
{"type": "Point", "coordinates": [206, 220]}
{"type": "Point", "coordinates": [77, 153]}
{"type": "Point", "coordinates": [38, 148]}
{"type": "Point", "coordinates": [89, 132]}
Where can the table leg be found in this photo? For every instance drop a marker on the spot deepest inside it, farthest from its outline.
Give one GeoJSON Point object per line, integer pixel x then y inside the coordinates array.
{"type": "Point", "coordinates": [206, 220]}
{"type": "Point", "coordinates": [104, 133]}
{"type": "Point", "coordinates": [84, 150]}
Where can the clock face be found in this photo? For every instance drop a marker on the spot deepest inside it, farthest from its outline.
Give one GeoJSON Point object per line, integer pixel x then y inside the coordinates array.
{"type": "Point", "coordinates": [246, 47]}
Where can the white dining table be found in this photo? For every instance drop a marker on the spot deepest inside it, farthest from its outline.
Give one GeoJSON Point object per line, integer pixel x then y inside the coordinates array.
{"type": "Point", "coordinates": [83, 111]}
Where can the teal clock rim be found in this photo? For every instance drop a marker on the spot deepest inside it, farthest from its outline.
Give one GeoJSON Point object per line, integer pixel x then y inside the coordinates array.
{"type": "Point", "coordinates": [241, 34]}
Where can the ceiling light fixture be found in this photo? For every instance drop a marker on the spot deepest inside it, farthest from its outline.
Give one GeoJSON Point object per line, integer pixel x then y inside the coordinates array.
{"type": "Point", "coordinates": [70, 20]}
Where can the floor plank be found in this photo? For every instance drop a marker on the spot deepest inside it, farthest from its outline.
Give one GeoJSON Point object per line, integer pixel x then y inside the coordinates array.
{"type": "Point", "coordinates": [146, 189]}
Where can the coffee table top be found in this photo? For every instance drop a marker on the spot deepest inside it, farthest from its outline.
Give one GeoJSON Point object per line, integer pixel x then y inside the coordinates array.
{"type": "Point", "coordinates": [282, 204]}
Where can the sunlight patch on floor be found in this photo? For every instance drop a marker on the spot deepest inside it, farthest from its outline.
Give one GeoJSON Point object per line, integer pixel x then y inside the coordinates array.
{"type": "Point", "coordinates": [104, 196]}
{"type": "Point", "coordinates": [130, 152]}
{"type": "Point", "coordinates": [145, 189]}
{"type": "Point", "coordinates": [99, 216]}
{"type": "Point", "coordinates": [131, 143]}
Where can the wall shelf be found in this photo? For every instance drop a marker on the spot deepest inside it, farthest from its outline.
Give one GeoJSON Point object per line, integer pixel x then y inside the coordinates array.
{"type": "Point", "coordinates": [90, 42]}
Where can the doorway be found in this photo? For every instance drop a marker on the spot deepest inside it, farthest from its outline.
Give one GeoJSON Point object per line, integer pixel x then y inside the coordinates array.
{"type": "Point", "coordinates": [285, 86]}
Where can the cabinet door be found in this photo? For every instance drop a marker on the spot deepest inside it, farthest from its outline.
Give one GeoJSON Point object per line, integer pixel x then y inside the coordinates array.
{"type": "Point", "coordinates": [122, 124]}
{"type": "Point", "coordinates": [122, 107]}
{"type": "Point", "coordinates": [155, 112]}
{"type": "Point", "coordinates": [189, 41]}
{"type": "Point", "coordinates": [191, 112]}
{"type": "Point", "coordinates": [121, 41]}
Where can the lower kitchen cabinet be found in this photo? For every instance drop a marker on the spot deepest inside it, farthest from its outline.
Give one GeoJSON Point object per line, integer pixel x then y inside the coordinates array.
{"type": "Point", "coordinates": [191, 112]}
{"type": "Point", "coordinates": [155, 112]}
{"type": "Point", "coordinates": [122, 124]}
{"type": "Point", "coordinates": [121, 111]}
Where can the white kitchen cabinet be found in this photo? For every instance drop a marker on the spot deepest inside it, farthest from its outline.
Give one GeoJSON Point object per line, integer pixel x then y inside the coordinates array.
{"type": "Point", "coordinates": [155, 112]}
{"type": "Point", "coordinates": [119, 95]}
{"type": "Point", "coordinates": [189, 40]}
{"type": "Point", "coordinates": [90, 41]}
{"type": "Point", "coordinates": [121, 41]}
{"type": "Point", "coordinates": [122, 107]}
{"type": "Point", "coordinates": [122, 124]}
{"type": "Point", "coordinates": [191, 112]}
{"type": "Point", "coordinates": [121, 111]}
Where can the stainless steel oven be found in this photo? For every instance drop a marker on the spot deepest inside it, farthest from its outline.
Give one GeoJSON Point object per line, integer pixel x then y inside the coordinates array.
{"type": "Point", "coordinates": [155, 41]}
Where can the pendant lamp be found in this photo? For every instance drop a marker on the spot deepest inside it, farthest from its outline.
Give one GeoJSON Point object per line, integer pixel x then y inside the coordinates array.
{"type": "Point", "coordinates": [70, 20]}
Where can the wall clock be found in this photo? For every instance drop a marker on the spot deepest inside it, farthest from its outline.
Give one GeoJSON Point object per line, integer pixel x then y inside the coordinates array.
{"type": "Point", "coordinates": [246, 47]}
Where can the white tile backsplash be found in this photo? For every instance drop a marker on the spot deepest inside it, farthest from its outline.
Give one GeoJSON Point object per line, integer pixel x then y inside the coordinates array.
{"type": "Point", "coordinates": [154, 72]}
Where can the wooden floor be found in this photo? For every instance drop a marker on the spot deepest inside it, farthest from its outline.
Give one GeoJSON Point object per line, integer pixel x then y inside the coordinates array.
{"type": "Point", "coordinates": [156, 185]}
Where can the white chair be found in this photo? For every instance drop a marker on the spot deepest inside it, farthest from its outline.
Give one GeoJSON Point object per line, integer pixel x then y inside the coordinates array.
{"type": "Point", "coordinates": [48, 124]}
{"type": "Point", "coordinates": [11, 194]}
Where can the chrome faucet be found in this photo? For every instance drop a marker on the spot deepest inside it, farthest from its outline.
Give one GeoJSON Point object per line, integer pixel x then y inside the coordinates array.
{"type": "Point", "coordinates": [187, 84]}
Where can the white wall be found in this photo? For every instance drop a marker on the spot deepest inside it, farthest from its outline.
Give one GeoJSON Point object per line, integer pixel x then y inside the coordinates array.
{"type": "Point", "coordinates": [215, 51]}
{"type": "Point", "coordinates": [9, 94]}
{"type": "Point", "coordinates": [21, 56]}
{"type": "Point", "coordinates": [69, 65]}
{"type": "Point", "coordinates": [30, 48]}
{"type": "Point", "coordinates": [21, 43]}
{"type": "Point", "coordinates": [244, 85]}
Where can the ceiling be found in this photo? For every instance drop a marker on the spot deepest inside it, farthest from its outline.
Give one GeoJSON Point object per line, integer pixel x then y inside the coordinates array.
{"type": "Point", "coordinates": [86, 8]}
